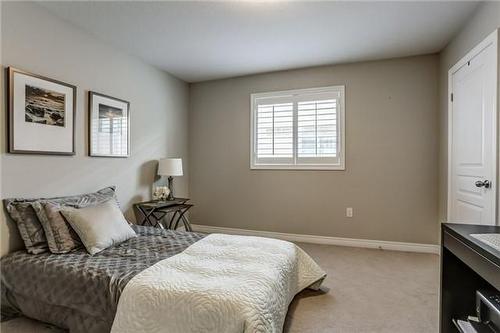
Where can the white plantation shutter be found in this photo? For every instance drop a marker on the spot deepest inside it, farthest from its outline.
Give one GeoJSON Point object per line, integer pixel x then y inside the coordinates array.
{"type": "Point", "coordinates": [274, 133]}
{"type": "Point", "coordinates": [299, 129]}
{"type": "Point", "coordinates": [317, 131]}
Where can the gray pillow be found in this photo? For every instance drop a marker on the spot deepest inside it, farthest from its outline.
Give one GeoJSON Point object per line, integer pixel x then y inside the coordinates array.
{"type": "Point", "coordinates": [28, 223]}
{"type": "Point", "coordinates": [61, 238]}
{"type": "Point", "coordinates": [29, 226]}
{"type": "Point", "coordinates": [99, 226]}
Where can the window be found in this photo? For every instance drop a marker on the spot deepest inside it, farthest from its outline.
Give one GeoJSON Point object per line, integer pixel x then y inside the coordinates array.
{"type": "Point", "coordinates": [298, 129]}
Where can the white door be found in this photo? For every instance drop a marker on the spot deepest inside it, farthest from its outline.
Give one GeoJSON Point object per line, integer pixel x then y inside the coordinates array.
{"type": "Point", "coordinates": [473, 140]}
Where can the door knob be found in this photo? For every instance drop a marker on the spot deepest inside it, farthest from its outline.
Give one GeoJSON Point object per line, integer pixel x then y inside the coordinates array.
{"type": "Point", "coordinates": [485, 184]}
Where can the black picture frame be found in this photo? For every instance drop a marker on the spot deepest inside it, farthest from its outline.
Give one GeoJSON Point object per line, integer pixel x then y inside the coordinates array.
{"type": "Point", "coordinates": [11, 126]}
{"type": "Point", "coordinates": [92, 111]}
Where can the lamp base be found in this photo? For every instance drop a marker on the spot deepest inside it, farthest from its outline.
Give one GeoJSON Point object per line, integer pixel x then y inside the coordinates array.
{"type": "Point", "coordinates": [171, 188]}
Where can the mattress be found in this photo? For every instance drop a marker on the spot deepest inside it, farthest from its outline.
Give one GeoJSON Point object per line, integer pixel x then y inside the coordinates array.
{"type": "Point", "coordinates": [80, 292]}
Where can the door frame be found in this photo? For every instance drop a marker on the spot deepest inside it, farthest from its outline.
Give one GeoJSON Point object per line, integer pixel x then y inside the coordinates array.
{"type": "Point", "coordinates": [492, 39]}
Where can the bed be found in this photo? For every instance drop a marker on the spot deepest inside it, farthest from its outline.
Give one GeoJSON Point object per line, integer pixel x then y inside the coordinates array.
{"type": "Point", "coordinates": [78, 291]}
{"type": "Point", "coordinates": [214, 283]}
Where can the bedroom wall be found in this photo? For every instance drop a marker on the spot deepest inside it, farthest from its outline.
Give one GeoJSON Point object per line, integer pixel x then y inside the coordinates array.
{"type": "Point", "coordinates": [484, 21]}
{"type": "Point", "coordinates": [4, 234]}
{"type": "Point", "coordinates": [391, 176]}
{"type": "Point", "coordinates": [36, 41]}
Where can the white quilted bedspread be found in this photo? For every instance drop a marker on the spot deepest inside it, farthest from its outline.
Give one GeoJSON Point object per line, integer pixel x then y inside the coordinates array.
{"type": "Point", "coordinates": [222, 283]}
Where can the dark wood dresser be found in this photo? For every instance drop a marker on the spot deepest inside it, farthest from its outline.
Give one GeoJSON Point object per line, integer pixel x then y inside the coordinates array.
{"type": "Point", "coordinates": [467, 265]}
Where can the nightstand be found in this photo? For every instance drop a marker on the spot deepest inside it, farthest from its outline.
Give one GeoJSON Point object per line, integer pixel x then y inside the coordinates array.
{"type": "Point", "coordinates": [153, 212]}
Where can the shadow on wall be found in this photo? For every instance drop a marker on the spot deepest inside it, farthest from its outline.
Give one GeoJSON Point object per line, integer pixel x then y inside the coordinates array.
{"type": "Point", "coordinates": [147, 176]}
{"type": "Point", "coordinates": [131, 214]}
{"type": "Point", "coordinates": [148, 173]}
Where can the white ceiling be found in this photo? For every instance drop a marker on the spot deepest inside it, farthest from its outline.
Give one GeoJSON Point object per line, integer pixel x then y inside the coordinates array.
{"type": "Point", "coordinates": [199, 41]}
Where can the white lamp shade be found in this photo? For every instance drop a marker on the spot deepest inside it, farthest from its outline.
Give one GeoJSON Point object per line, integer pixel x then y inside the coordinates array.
{"type": "Point", "coordinates": [170, 167]}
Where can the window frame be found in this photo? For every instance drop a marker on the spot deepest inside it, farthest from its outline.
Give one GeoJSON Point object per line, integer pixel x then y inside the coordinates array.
{"type": "Point", "coordinates": [295, 96]}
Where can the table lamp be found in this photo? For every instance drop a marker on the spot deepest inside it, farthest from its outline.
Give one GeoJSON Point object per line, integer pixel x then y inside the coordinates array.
{"type": "Point", "coordinates": [171, 167]}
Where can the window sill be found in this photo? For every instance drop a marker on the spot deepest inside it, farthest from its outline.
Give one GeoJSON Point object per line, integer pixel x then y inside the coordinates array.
{"type": "Point", "coordinates": [298, 167]}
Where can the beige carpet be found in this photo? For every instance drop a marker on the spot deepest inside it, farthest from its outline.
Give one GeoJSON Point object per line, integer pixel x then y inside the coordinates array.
{"type": "Point", "coordinates": [369, 291]}
{"type": "Point", "coordinates": [366, 291]}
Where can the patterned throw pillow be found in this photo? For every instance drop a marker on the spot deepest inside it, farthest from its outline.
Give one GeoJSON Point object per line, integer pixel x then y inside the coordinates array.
{"type": "Point", "coordinates": [85, 200]}
{"type": "Point", "coordinates": [29, 226]}
{"type": "Point", "coordinates": [28, 223]}
{"type": "Point", "coordinates": [61, 238]}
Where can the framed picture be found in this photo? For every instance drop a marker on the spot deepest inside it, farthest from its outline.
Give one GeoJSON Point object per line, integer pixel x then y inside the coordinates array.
{"type": "Point", "coordinates": [109, 126]}
{"type": "Point", "coordinates": [41, 114]}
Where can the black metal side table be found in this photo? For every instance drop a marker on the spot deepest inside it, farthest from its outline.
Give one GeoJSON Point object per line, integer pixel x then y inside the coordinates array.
{"type": "Point", "coordinates": [155, 211]}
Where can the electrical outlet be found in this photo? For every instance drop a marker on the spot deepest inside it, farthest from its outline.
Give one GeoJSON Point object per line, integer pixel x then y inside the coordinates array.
{"type": "Point", "coordinates": [348, 212]}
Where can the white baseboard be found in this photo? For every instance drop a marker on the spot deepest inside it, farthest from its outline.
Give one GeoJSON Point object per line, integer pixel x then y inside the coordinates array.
{"type": "Point", "coordinates": [353, 242]}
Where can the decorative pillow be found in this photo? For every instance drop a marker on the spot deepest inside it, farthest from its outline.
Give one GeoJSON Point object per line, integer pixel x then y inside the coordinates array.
{"type": "Point", "coordinates": [29, 226]}
{"type": "Point", "coordinates": [61, 238]}
{"type": "Point", "coordinates": [85, 200]}
{"type": "Point", "coordinates": [28, 223]}
{"type": "Point", "coordinates": [100, 226]}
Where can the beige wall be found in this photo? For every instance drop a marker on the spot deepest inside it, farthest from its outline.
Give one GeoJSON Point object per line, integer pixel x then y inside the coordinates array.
{"type": "Point", "coordinates": [36, 41]}
{"type": "Point", "coordinates": [393, 135]}
{"type": "Point", "coordinates": [485, 20]}
{"type": "Point", "coordinates": [4, 235]}
{"type": "Point", "coordinates": [391, 179]}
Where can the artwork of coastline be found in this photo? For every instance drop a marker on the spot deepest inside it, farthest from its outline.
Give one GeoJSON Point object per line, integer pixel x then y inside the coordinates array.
{"type": "Point", "coordinates": [44, 106]}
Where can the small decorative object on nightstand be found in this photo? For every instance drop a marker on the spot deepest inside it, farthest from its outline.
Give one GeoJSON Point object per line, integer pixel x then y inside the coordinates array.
{"type": "Point", "coordinates": [161, 193]}
{"type": "Point", "coordinates": [154, 211]}
{"type": "Point", "coordinates": [170, 167]}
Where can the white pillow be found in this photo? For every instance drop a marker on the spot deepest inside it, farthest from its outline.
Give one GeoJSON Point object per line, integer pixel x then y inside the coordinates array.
{"type": "Point", "coordinates": [100, 226]}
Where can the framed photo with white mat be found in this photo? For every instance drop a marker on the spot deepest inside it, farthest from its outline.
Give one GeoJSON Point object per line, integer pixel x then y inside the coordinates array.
{"type": "Point", "coordinates": [109, 126]}
{"type": "Point", "coordinates": [41, 115]}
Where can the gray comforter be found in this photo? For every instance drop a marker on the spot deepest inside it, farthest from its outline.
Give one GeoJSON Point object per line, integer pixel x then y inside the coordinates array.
{"type": "Point", "coordinates": [78, 291]}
